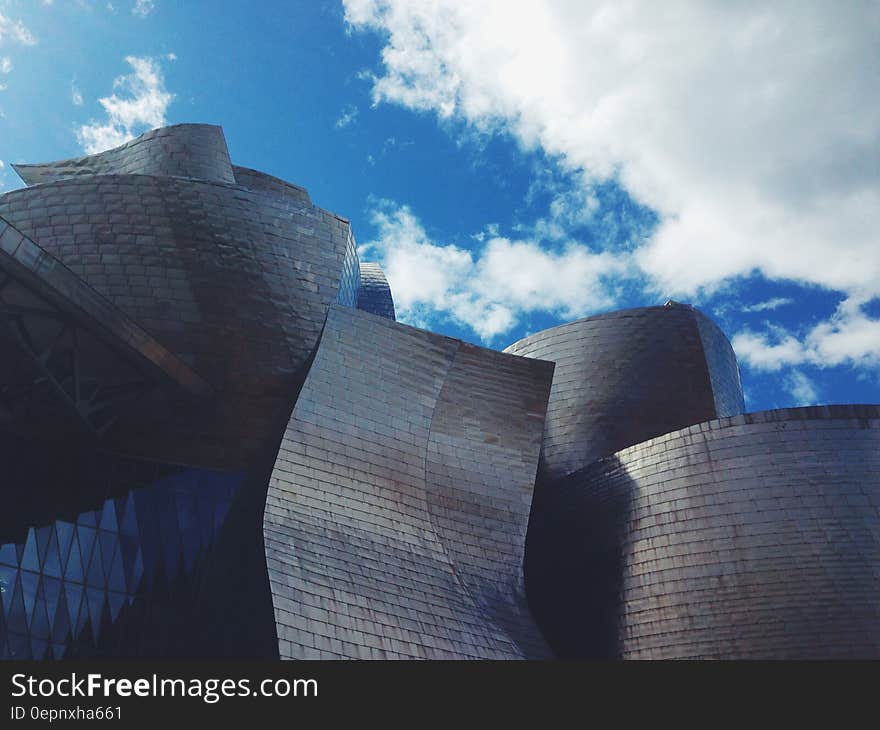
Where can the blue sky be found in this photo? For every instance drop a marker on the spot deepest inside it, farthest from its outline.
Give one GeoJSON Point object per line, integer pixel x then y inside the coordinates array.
{"type": "Point", "coordinates": [516, 165]}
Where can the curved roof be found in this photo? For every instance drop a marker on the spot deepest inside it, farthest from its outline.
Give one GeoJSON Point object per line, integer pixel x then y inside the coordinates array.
{"type": "Point", "coordinates": [183, 150]}
{"type": "Point", "coordinates": [626, 376]}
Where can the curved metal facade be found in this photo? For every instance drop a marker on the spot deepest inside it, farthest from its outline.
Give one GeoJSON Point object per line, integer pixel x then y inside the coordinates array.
{"type": "Point", "coordinates": [398, 505]}
{"type": "Point", "coordinates": [627, 376]}
{"type": "Point", "coordinates": [71, 360]}
{"type": "Point", "coordinates": [223, 391]}
{"type": "Point", "coordinates": [752, 537]}
{"type": "Point", "coordinates": [260, 181]}
{"type": "Point", "coordinates": [236, 283]}
{"type": "Point", "coordinates": [41, 275]}
{"type": "Point", "coordinates": [152, 259]}
{"type": "Point", "coordinates": [195, 151]}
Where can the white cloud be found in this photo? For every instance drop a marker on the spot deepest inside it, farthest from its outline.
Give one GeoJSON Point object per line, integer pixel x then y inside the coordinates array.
{"type": "Point", "coordinates": [142, 106]}
{"type": "Point", "coordinates": [753, 129]}
{"type": "Point", "coordinates": [15, 31]}
{"type": "Point", "coordinates": [849, 337]}
{"type": "Point", "coordinates": [492, 288]}
{"type": "Point", "coordinates": [142, 8]}
{"type": "Point", "coordinates": [12, 31]}
{"type": "Point", "coordinates": [771, 351]}
{"type": "Point", "coordinates": [768, 305]}
{"type": "Point", "coordinates": [76, 95]}
{"type": "Point", "coordinates": [2, 164]}
{"type": "Point", "coordinates": [349, 114]}
{"type": "Point", "coordinates": [801, 388]}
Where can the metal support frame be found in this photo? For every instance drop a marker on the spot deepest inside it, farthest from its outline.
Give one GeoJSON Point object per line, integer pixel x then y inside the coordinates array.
{"type": "Point", "coordinates": [59, 366]}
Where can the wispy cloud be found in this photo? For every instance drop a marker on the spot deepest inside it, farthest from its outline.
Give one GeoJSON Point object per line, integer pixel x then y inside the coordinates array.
{"type": "Point", "coordinates": [768, 305]}
{"type": "Point", "coordinates": [348, 116]}
{"type": "Point", "coordinates": [801, 388]}
{"type": "Point", "coordinates": [14, 31]}
{"type": "Point", "coordinates": [490, 289]}
{"type": "Point", "coordinates": [140, 104]}
{"type": "Point", "coordinates": [76, 95]}
{"type": "Point", "coordinates": [142, 8]}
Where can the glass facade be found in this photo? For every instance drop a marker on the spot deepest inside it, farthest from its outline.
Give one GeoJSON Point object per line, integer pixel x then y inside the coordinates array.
{"type": "Point", "coordinates": [350, 276]}
{"type": "Point", "coordinates": [723, 368]}
{"type": "Point", "coordinates": [375, 294]}
{"type": "Point", "coordinates": [68, 580]}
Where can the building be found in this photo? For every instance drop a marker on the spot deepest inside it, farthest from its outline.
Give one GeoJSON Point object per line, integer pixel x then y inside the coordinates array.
{"type": "Point", "coordinates": [219, 443]}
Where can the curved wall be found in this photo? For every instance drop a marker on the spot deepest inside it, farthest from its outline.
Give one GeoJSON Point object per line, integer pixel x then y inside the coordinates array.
{"type": "Point", "coordinates": [40, 275]}
{"type": "Point", "coordinates": [752, 537]}
{"type": "Point", "coordinates": [399, 501]}
{"type": "Point", "coordinates": [374, 295]}
{"type": "Point", "coordinates": [479, 476]}
{"type": "Point", "coordinates": [183, 150]}
{"type": "Point", "coordinates": [220, 284]}
{"type": "Point", "coordinates": [627, 376]}
{"type": "Point", "coordinates": [397, 510]}
{"type": "Point", "coordinates": [236, 283]}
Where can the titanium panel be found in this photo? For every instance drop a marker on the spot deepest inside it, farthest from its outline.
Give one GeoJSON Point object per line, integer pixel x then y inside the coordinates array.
{"type": "Point", "coordinates": [182, 150]}
{"type": "Point", "coordinates": [235, 283]}
{"type": "Point", "coordinates": [752, 537]}
{"type": "Point", "coordinates": [397, 509]}
{"type": "Point", "coordinates": [261, 182]}
{"type": "Point", "coordinates": [623, 377]}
